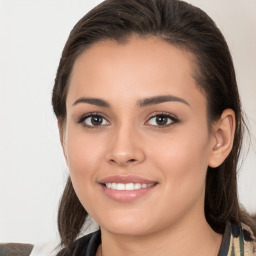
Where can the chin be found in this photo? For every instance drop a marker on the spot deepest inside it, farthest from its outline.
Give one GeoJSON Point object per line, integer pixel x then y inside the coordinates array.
{"type": "Point", "coordinates": [127, 230]}
{"type": "Point", "coordinates": [130, 226]}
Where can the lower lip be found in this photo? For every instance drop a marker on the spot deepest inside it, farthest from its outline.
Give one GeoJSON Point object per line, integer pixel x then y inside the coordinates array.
{"type": "Point", "coordinates": [126, 195]}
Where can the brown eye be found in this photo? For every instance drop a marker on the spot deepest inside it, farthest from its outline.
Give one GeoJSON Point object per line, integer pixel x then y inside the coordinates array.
{"type": "Point", "coordinates": [162, 120]}
{"type": "Point", "coordinates": [93, 121]}
{"type": "Point", "coordinates": [96, 120]}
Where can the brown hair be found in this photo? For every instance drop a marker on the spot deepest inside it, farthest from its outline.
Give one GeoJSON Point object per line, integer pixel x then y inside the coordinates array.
{"type": "Point", "coordinates": [184, 26]}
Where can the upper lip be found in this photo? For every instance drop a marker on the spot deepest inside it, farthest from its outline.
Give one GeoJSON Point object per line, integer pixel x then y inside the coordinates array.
{"type": "Point", "coordinates": [125, 179]}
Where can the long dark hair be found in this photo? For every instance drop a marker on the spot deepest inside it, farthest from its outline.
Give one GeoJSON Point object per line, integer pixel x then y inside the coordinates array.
{"type": "Point", "coordinates": [183, 26]}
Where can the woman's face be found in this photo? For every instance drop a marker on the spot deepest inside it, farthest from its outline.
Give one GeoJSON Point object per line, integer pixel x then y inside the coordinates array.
{"type": "Point", "coordinates": [136, 137]}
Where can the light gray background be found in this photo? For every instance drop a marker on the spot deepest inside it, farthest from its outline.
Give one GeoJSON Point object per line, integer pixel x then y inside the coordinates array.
{"type": "Point", "coordinates": [32, 168]}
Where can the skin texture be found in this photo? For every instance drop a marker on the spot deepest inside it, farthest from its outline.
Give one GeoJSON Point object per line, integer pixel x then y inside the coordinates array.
{"type": "Point", "coordinates": [169, 218]}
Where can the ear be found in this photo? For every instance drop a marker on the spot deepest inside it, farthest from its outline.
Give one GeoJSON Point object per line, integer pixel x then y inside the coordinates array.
{"type": "Point", "coordinates": [61, 127]}
{"type": "Point", "coordinates": [222, 138]}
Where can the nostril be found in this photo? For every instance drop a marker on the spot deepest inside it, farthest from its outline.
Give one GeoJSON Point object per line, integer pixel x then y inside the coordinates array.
{"type": "Point", "coordinates": [128, 161]}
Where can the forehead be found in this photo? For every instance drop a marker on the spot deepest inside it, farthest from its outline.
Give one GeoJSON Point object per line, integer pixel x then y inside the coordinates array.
{"type": "Point", "coordinates": [135, 50]}
{"type": "Point", "coordinates": [141, 67]}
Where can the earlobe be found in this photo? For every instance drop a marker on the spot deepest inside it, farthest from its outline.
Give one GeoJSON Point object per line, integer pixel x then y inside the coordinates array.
{"type": "Point", "coordinates": [222, 138]}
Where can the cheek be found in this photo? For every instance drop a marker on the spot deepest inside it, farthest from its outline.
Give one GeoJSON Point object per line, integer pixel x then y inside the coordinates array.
{"type": "Point", "coordinates": [182, 161]}
{"type": "Point", "coordinates": [82, 152]}
{"type": "Point", "coordinates": [84, 156]}
{"type": "Point", "coordinates": [182, 158]}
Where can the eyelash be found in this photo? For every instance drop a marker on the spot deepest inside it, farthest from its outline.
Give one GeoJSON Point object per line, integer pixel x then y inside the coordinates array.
{"type": "Point", "coordinates": [173, 119]}
{"type": "Point", "coordinates": [94, 114]}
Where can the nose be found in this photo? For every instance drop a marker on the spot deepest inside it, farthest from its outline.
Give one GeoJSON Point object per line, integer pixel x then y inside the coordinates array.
{"type": "Point", "coordinates": [126, 147]}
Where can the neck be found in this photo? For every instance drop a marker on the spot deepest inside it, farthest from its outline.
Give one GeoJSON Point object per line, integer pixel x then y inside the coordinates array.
{"type": "Point", "coordinates": [185, 238]}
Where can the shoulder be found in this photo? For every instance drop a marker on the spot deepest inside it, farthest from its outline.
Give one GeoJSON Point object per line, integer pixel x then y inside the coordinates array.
{"type": "Point", "coordinates": [86, 246]}
{"type": "Point", "coordinates": [15, 249]}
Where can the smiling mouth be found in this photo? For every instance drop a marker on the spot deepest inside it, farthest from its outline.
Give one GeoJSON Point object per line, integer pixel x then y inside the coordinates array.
{"type": "Point", "coordinates": [126, 188]}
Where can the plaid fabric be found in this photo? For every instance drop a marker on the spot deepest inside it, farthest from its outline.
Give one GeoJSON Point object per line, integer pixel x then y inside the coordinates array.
{"type": "Point", "coordinates": [238, 241]}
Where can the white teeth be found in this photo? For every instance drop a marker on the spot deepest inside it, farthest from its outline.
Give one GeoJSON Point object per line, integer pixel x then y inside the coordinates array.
{"type": "Point", "coordinates": [127, 186]}
{"type": "Point", "coordinates": [137, 186]}
{"type": "Point", "coordinates": [119, 186]}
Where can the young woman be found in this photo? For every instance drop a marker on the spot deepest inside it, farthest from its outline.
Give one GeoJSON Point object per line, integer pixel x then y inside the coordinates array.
{"type": "Point", "coordinates": [151, 128]}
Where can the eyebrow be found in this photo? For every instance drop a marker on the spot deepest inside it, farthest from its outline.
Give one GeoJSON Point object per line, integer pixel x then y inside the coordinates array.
{"type": "Point", "coordinates": [142, 103]}
{"type": "Point", "coordinates": [161, 99]}
{"type": "Point", "coordinates": [93, 101]}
